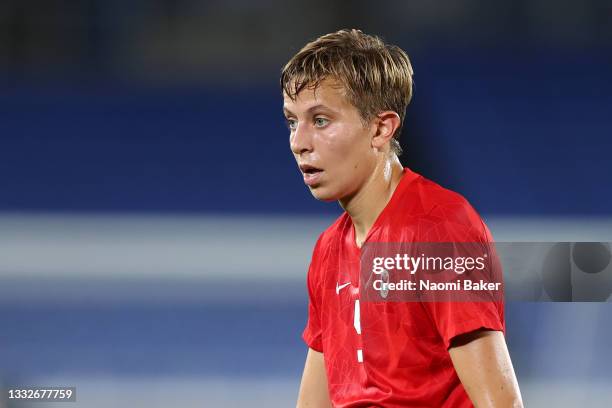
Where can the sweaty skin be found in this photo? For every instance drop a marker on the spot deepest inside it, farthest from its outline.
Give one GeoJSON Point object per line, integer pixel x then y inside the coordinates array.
{"type": "Point", "coordinates": [357, 169]}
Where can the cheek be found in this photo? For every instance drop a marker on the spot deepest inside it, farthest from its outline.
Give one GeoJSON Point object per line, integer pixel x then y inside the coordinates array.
{"type": "Point", "coordinates": [342, 145]}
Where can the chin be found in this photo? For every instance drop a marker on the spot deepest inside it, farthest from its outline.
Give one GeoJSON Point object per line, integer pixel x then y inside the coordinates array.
{"type": "Point", "coordinates": [323, 194]}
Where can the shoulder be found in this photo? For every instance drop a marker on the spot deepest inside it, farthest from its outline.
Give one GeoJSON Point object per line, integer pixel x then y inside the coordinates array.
{"type": "Point", "coordinates": [450, 205]}
{"type": "Point", "coordinates": [332, 234]}
{"type": "Point", "coordinates": [442, 214]}
{"type": "Point", "coordinates": [324, 248]}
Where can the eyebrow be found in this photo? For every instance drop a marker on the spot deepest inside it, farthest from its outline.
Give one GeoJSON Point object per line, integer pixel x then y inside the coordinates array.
{"type": "Point", "coordinates": [309, 110]}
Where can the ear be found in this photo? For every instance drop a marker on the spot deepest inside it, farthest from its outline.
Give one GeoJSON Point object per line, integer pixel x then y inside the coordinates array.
{"type": "Point", "coordinates": [386, 124]}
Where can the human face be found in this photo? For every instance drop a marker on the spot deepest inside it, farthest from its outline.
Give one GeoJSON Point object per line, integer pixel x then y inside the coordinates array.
{"type": "Point", "coordinates": [331, 145]}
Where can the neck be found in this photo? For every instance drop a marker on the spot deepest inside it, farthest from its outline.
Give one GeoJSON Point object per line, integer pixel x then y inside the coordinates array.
{"type": "Point", "coordinates": [367, 203]}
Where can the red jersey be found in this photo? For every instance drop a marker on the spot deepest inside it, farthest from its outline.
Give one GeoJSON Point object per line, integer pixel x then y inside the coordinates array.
{"type": "Point", "coordinates": [389, 354]}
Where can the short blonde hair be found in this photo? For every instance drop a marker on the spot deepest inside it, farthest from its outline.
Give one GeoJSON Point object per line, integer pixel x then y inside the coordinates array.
{"type": "Point", "coordinates": [376, 76]}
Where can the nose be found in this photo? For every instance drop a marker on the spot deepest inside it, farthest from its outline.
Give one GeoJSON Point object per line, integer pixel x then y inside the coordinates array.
{"type": "Point", "coordinates": [300, 140]}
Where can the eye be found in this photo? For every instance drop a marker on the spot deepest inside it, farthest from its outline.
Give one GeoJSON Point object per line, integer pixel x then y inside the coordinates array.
{"type": "Point", "coordinates": [321, 122]}
{"type": "Point", "coordinates": [291, 124]}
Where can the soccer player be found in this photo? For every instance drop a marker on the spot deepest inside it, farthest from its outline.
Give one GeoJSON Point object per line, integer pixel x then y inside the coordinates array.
{"type": "Point", "coordinates": [345, 96]}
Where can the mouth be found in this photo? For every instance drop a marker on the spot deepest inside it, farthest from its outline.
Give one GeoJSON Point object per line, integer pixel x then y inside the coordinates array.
{"type": "Point", "coordinates": [311, 174]}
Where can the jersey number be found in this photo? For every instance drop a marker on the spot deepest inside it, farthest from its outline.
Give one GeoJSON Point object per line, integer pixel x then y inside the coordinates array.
{"type": "Point", "coordinates": [357, 325]}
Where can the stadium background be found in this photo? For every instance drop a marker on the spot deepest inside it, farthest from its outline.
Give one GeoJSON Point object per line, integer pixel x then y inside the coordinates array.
{"type": "Point", "coordinates": [155, 232]}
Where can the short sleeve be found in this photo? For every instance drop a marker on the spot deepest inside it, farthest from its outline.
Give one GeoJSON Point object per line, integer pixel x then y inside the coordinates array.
{"type": "Point", "coordinates": [312, 334]}
{"type": "Point", "coordinates": [454, 318]}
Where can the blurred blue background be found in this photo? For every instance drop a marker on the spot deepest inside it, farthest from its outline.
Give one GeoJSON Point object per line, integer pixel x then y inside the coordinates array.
{"type": "Point", "coordinates": [155, 232]}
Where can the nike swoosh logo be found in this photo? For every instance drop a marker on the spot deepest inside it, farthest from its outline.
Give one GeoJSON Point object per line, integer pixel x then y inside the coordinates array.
{"type": "Point", "coordinates": [338, 287]}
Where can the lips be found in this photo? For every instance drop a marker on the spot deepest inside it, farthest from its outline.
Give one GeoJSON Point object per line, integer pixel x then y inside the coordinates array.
{"type": "Point", "coordinates": [312, 174]}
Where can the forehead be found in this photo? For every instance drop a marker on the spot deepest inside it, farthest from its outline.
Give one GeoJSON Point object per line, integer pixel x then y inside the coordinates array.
{"type": "Point", "coordinates": [329, 93]}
